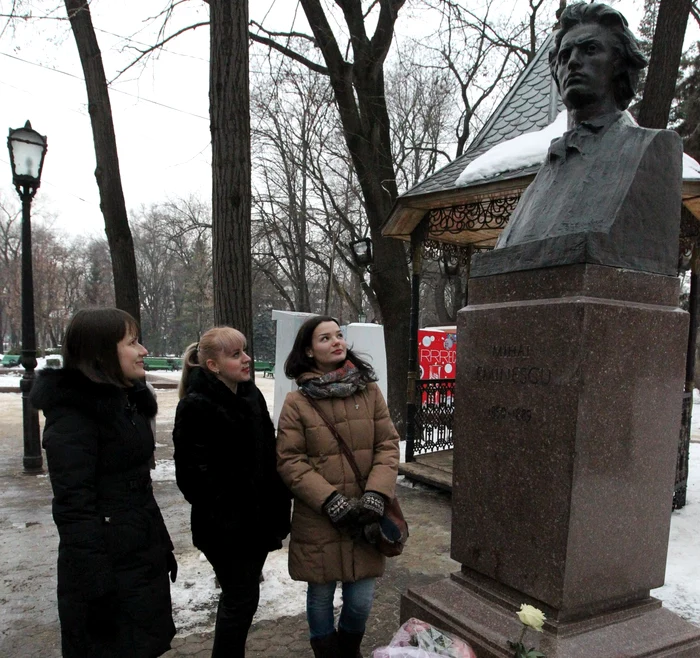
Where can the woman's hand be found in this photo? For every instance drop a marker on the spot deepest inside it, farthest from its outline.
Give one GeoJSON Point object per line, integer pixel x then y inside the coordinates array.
{"type": "Point", "coordinates": [371, 508]}
{"type": "Point", "coordinates": [341, 510]}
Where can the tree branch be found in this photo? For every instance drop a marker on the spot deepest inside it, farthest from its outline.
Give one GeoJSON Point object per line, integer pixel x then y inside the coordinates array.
{"type": "Point", "coordinates": [146, 52]}
{"type": "Point", "coordinates": [288, 35]}
{"type": "Point", "coordinates": [292, 54]}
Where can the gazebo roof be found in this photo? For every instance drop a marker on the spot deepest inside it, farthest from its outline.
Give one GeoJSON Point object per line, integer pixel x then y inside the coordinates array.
{"type": "Point", "coordinates": [475, 213]}
{"type": "Point", "coordinates": [531, 104]}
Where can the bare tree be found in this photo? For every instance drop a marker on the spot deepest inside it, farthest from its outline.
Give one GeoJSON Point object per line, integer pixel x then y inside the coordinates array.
{"type": "Point", "coordinates": [107, 172]}
{"type": "Point", "coordinates": [10, 245]}
{"type": "Point", "coordinates": [357, 81]}
{"type": "Point", "coordinates": [230, 137]}
{"type": "Point", "coordinates": [666, 52]}
{"type": "Point", "coordinates": [483, 52]}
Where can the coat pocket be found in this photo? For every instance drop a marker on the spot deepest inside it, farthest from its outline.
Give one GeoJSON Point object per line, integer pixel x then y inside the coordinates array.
{"type": "Point", "coordinates": [128, 536]}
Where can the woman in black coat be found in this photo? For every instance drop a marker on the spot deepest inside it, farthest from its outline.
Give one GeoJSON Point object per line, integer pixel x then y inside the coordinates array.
{"type": "Point", "coordinates": [226, 468]}
{"type": "Point", "coordinates": [114, 550]}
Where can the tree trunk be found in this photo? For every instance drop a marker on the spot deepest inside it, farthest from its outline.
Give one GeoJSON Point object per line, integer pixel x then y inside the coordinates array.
{"type": "Point", "coordinates": [229, 97]}
{"type": "Point", "coordinates": [666, 51]}
{"type": "Point", "coordinates": [109, 182]}
{"type": "Point", "coordinates": [359, 92]}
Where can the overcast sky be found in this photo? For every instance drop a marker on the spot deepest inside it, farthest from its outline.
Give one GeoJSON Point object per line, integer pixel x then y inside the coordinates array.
{"type": "Point", "coordinates": [160, 112]}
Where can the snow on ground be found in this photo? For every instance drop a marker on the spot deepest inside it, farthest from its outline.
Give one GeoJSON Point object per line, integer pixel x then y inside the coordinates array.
{"type": "Point", "coordinates": [195, 593]}
{"type": "Point", "coordinates": [681, 593]}
{"type": "Point", "coordinates": [164, 471]}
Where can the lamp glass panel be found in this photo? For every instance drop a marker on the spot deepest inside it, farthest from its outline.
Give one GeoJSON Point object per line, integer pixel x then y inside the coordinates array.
{"type": "Point", "coordinates": [27, 151]}
{"type": "Point", "coordinates": [360, 249]}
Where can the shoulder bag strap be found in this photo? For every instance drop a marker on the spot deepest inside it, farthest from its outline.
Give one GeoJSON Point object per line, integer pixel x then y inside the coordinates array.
{"type": "Point", "coordinates": [344, 447]}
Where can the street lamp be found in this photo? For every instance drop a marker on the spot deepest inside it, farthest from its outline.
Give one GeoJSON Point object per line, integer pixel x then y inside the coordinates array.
{"type": "Point", "coordinates": [362, 252]}
{"type": "Point", "coordinates": [27, 150]}
{"type": "Point", "coordinates": [449, 265]}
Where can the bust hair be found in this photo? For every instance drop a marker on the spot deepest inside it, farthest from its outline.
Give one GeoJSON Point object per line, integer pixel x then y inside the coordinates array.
{"type": "Point", "coordinates": [298, 362]}
{"type": "Point", "coordinates": [217, 342]}
{"type": "Point", "coordinates": [90, 343]}
{"type": "Point", "coordinates": [627, 50]}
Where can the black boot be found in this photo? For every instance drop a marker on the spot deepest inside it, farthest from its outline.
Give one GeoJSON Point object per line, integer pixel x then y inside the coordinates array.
{"type": "Point", "coordinates": [349, 644]}
{"type": "Point", "coordinates": [326, 646]}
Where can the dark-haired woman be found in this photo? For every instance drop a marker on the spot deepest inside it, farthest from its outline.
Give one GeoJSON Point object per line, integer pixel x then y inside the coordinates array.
{"type": "Point", "coordinates": [114, 553]}
{"type": "Point", "coordinates": [331, 509]}
{"type": "Point", "coordinates": [225, 466]}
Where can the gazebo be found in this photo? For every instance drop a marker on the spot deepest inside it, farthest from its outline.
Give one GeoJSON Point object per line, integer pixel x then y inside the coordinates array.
{"type": "Point", "coordinates": [446, 220]}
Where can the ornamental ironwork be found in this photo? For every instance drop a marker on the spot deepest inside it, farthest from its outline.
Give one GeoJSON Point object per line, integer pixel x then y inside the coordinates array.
{"type": "Point", "coordinates": [433, 416]}
{"type": "Point", "coordinates": [484, 214]}
{"type": "Point", "coordinates": [434, 250]}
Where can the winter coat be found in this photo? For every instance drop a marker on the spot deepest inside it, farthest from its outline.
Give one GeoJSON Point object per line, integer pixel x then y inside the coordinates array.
{"type": "Point", "coordinates": [311, 464]}
{"type": "Point", "coordinates": [225, 467]}
{"type": "Point", "coordinates": [112, 538]}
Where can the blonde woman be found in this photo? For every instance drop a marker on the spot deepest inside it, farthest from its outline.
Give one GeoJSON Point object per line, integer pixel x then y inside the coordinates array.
{"type": "Point", "coordinates": [225, 467]}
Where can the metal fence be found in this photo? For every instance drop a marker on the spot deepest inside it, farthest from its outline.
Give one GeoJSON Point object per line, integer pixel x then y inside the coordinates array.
{"type": "Point", "coordinates": [681, 486]}
{"type": "Point", "coordinates": [433, 417]}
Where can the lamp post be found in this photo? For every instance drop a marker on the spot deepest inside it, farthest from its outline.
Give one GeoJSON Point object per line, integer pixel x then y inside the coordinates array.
{"type": "Point", "coordinates": [362, 252]}
{"type": "Point", "coordinates": [27, 150]}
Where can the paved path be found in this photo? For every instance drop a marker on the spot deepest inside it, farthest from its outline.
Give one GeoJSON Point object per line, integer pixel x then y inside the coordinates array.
{"type": "Point", "coordinates": [28, 541]}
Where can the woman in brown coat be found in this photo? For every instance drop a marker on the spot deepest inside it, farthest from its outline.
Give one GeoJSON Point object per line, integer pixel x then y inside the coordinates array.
{"type": "Point", "coordinates": [331, 510]}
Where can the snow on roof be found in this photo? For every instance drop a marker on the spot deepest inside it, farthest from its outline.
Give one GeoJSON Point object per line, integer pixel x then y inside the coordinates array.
{"type": "Point", "coordinates": [521, 151]}
{"type": "Point", "coordinates": [531, 149]}
{"type": "Point", "coordinates": [691, 168]}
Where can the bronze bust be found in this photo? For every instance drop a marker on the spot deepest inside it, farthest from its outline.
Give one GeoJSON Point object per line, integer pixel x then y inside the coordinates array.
{"type": "Point", "coordinates": [609, 191]}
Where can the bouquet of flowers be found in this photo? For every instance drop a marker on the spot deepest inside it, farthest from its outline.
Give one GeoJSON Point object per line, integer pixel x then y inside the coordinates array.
{"type": "Point", "coordinates": [418, 639]}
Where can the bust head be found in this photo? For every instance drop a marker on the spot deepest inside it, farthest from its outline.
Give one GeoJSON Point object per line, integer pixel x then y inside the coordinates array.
{"type": "Point", "coordinates": [595, 57]}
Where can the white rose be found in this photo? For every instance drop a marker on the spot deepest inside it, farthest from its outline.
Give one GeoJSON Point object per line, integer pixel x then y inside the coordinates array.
{"type": "Point", "coordinates": [531, 616]}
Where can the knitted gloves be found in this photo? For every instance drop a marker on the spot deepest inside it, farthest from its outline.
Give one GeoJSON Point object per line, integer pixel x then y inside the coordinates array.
{"type": "Point", "coordinates": [371, 508]}
{"type": "Point", "coordinates": [341, 510]}
{"type": "Point", "coordinates": [347, 513]}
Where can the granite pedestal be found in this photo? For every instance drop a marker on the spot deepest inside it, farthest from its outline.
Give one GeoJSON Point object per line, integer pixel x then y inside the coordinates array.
{"type": "Point", "coordinates": [567, 415]}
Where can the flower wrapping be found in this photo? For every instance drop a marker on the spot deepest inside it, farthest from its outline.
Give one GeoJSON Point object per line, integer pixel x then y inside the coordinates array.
{"type": "Point", "coordinates": [418, 639]}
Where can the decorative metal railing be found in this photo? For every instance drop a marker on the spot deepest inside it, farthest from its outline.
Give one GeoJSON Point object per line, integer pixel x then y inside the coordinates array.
{"type": "Point", "coordinates": [681, 486]}
{"type": "Point", "coordinates": [433, 417]}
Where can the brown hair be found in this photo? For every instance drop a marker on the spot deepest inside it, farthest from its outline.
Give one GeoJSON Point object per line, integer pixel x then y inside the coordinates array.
{"type": "Point", "coordinates": [212, 344]}
{"type": "Point", "coordinates": [90, 344]}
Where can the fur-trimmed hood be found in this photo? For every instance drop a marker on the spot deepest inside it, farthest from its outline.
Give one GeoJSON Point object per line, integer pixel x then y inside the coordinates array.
{"type": "Point", "coordinates": [65, 387]}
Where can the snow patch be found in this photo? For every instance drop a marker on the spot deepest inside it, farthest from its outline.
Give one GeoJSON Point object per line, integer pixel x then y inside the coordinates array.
{"type": "Point", "coordinates": [525, 150]}
{"type": "Point", "coordinates": [164, 471]}
{"type": "Point", "coordinates": [531, 149]}
{"type": "Point", "coordinates": [195, 594]}
{"type": "Point", "coordinates": [681, 592]}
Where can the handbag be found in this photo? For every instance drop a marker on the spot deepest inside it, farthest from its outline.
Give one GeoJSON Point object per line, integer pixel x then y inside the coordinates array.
{"type": "Point", "coordinates": [393, 529]}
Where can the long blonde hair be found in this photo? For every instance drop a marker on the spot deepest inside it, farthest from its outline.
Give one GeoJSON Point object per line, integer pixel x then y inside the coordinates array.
{"type": "Point", "coordinates": [214, 343]}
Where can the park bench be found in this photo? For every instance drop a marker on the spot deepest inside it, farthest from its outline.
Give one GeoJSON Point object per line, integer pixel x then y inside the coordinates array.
{"type": "Point", "coordinates": [265, 367]}
{"type": "Point", "coordinates": [10, 360]}
{"type": "Point", "coordinates": [162, 363]}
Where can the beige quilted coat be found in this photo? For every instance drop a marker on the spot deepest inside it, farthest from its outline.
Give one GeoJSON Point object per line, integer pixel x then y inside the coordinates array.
{"type": "Point", "coordinates": [311, 465]}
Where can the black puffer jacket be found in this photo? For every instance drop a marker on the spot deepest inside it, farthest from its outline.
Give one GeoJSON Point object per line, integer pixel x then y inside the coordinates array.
{"type": "Point", "coordinates": [226, 467]}
{"type": "Point", "coordinates": [113, 541]}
